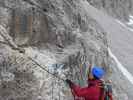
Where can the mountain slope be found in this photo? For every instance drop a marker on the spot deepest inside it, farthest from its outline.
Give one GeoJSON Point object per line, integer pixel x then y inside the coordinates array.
{"type": "Point", "coordinates": [62, 36]}
{"type": "Point", "coordinates": [119, 36]}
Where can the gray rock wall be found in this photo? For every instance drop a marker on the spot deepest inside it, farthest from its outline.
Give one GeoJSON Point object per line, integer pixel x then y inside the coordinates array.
{"type": "Point", "coordinates": [120, 9]}
{"type": "Point", "coordinates": [52, 32]}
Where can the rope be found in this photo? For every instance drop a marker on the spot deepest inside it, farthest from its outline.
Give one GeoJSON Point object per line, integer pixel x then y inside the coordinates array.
{"type": "Point", "coordinates": [45, 69]}
{"type": "Point", "coordinates": [21, 50]}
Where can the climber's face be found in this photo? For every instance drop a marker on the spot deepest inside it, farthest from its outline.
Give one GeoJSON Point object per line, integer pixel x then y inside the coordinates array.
{"type": "Point", "coordinates": [90, 77]}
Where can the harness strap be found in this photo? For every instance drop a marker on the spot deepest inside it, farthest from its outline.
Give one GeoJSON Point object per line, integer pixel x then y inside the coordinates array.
{"type": "Point", "coordinates": [102, 94]}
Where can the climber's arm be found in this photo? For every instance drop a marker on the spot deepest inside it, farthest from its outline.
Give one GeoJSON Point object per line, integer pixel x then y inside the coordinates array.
{"type": "Point", "coordinates": [83, 92]}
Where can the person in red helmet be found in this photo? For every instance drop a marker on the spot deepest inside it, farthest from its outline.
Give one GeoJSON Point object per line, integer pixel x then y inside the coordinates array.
{"type": "Point", "coordinates": [93, 91]}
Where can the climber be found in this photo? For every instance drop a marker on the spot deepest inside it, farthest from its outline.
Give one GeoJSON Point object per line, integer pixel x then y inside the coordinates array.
{"type": "Point", "coordinates": [93, 91]}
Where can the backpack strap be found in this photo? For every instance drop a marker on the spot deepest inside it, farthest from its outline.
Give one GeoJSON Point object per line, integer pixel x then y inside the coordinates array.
{"type": "Point", "coordinates": [109, 91]}
{"type": "Point", "coordinates": [102, 93]}
{"type": "Point", "coordinates": [106, 91]}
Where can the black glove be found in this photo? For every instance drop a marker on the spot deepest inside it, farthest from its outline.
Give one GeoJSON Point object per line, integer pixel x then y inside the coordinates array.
{"type": "Point", "coordinates": [69, 82]}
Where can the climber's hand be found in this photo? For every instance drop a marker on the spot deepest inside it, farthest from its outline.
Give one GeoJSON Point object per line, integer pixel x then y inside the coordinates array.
{"type": "Point", "coordinates": [69, 82]}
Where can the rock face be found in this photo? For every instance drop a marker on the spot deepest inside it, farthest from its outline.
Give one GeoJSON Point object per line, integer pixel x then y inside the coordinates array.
{"type": "Point", "coordinates": [117, 8]}
{"type": "Point", "coordinates": [60, 36]}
